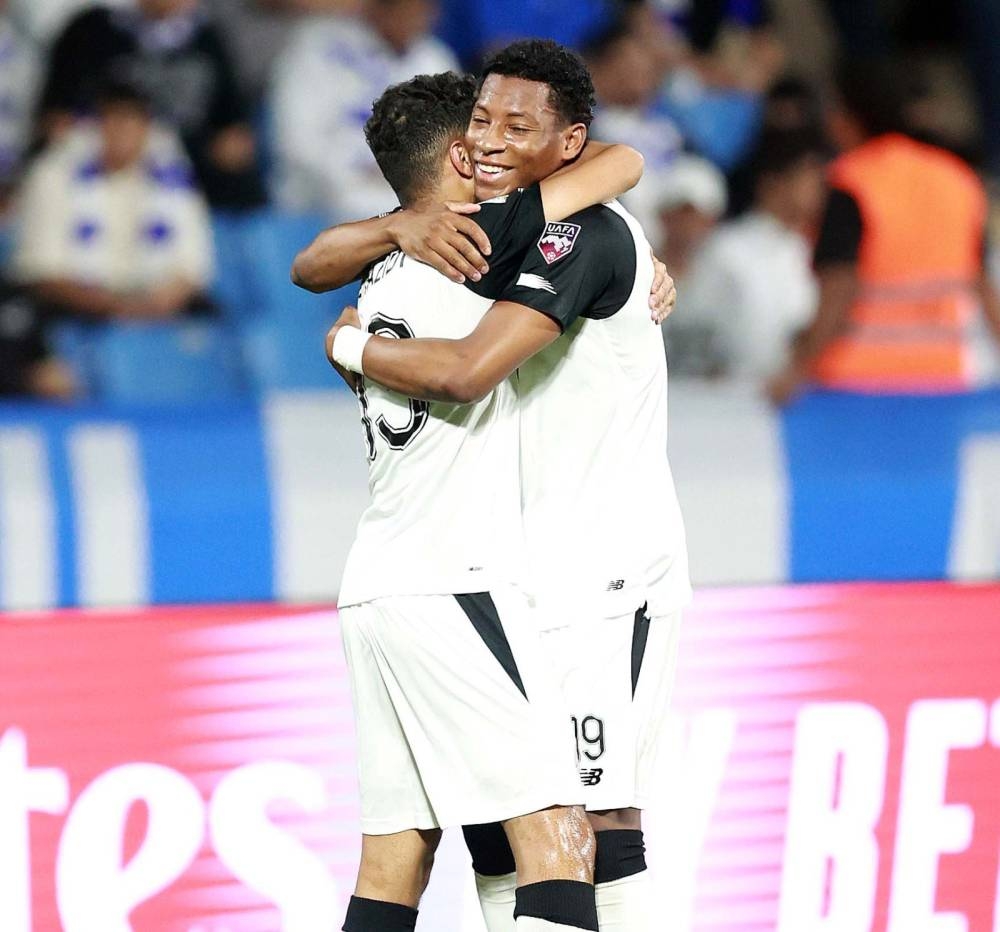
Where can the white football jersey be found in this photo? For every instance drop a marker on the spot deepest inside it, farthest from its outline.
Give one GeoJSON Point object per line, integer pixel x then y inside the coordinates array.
{"type": "Point", "coordinates": [602, 524]}
{"type": "Point", "coordinates": [444, 516]}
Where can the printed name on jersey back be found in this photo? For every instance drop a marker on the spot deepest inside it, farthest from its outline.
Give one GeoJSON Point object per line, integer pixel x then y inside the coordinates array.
{"type": "Point", "coordinates": [558, 241]}
{"type": "Point", "coordinates": [380, 269]}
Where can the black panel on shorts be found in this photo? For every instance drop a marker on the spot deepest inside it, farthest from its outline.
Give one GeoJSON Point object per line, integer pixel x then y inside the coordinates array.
{"type": "Point", "coordinates": [485, 619]}
{"type": "Point", "coordinates": [640, 632]}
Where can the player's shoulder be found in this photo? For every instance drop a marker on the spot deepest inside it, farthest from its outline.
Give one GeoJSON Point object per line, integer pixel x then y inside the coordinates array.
{"type": "Point", "coordinates": [602, 222]}
{"type": "Point", "coordinates": [598, 233]}
{"type": "Point", "coordinates": [409, 279]}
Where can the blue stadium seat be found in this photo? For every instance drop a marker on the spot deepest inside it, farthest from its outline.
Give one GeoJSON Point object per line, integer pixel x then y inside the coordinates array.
{"type": "Point", "coordinates": [272, 241]}
{"type": "Point", "coordinates": [176, 362]}
{"type": "Point", "coordinates": [73, 343]}
{"type": "Point", "coordinates": [254, 258]}
{"type": "Point", "coordinates": [231, 288]}
{"type": "Point", "coordinates": [288, 354]}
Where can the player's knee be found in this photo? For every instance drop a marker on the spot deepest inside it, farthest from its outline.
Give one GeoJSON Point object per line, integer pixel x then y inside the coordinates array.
{"type": "Point", "coordinates": [398, 868]}
{"type": "Point", "coordinates": [426, 865]}
{"type": "Point", "coordinates": [571, 835]}
{"type": "Point", "coordinates": [583, 840]}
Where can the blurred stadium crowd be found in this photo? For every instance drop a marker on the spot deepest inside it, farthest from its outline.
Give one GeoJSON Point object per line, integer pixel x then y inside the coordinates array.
{"type": "Point", "coordinates": [161, 162]}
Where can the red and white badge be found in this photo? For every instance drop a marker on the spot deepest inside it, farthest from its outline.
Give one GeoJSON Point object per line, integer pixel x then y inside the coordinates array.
{"type": "Point", "coordinates": [558, 241]}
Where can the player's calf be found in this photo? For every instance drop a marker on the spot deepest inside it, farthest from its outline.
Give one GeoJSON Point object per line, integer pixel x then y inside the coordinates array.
{"type": "Point", "coordinates": [392, 877]}
{"type": "Point", "coordinates": [554, 853]}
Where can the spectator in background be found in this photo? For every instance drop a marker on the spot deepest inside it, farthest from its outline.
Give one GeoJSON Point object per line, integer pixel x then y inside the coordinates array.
{"type": "Point", "coordinates": [110, 223]}
{"type": "Point", "coordinates": [626, 79]}
{"type": "Point", "coordinates": [626, 75]}
{"type": "Point", "coordinates": [751, 290]}
{"type": "Point", "coordinates": [476, 28]}
{"type": "Point", "coordinates": [900, 257]}
{"type": "Point", "coordinates": [42, 20]}
{"type": "Point", "coordinates": [731, 39]}
{"type": "Point", "coordinates": [792, 106]}
{"type": "Point", "coordinates": [171, 50]}
{"type": "Point", "coordinates": [324, 84]}
{"type": "Point", "coordinates": [718, 60]}
{"type": "Point", "coordinates": [689, 199]}
{"type": "Point", "coordinates": [26, 365]}
{"type": "Point", "coordinates": [256, 31]}
{"type": "Point", "coordinates": [18, 87]}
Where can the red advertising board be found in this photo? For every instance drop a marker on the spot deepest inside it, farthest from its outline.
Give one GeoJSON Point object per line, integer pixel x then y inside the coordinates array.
{"type": "Point", "coordinates": [832, 765]}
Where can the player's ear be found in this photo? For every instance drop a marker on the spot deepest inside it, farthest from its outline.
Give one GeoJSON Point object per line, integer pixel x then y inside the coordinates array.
{"type": "Point", "coordinates": [460, 159]}
{"type": "Point", "coordinates": [574, 139]}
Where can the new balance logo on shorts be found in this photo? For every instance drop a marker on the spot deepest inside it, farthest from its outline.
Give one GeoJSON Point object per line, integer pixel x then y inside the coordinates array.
{"type": "Point", "coordinates": [615, 585]}
{"type": "Point", "coordinates": [591, 777]}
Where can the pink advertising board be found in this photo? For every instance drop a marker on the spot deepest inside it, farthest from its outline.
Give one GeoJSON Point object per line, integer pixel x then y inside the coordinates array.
{"type": "Point", "coordinates": [832, 765]}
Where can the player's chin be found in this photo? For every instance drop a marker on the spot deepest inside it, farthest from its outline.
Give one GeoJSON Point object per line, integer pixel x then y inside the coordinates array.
{"type": "Point", "coordinates": [494, 184]}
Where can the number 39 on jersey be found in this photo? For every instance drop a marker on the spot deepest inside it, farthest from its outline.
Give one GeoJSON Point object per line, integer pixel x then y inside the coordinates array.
{"type": "Point", "coordinates": [401, 434]}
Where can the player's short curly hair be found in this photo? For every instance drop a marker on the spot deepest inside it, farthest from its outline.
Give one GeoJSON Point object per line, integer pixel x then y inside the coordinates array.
{"type": "Point", "coordinates": [571, 90]}
{"type": "Point", "coordinates": [413, 123]}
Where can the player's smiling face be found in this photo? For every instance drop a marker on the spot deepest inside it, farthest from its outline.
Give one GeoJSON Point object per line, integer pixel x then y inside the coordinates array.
{"type": "Point", "coordinates": [515, 136]}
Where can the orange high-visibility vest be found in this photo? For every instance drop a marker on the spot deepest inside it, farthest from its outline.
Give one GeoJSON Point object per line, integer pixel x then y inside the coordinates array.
{"type": "Point", "coordinates": [923, 217]}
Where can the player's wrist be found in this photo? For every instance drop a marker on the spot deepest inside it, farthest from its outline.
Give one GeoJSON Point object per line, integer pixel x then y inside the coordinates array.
{"type": "Point", "coordinates": [349, 348]}
{"type": "Point", "coordinates": [395, 225]}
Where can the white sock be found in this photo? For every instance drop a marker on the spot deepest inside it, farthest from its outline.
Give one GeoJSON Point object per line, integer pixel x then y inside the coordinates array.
{"type": "Point", "coordinates": [496, 897]}
{"type": "Point", "coordinates": [531, 924]}
{"type": "Point", "coordinates": [625, 905]}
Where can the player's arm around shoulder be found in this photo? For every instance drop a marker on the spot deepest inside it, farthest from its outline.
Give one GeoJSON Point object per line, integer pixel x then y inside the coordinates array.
{"type": "Point", "coordinates": [442, 236]}
{"type": "Point", "coordinates": [602, 172]}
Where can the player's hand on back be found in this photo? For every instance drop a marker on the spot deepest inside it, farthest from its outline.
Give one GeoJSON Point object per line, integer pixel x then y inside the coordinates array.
{"type": "Point", "coordinates": [348, 318]}
{"type": "Point", "coordinates": [445, 238]}
{"type": "Point", "coordinates": [663, 295]}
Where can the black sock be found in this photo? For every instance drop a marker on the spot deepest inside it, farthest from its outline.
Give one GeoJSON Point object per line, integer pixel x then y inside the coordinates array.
{"type": "Point", "coordinates": [490, 850]}
{"type": "Point", "coordinates": [566, 902]}
{"type": "Point", "coordinates": [378, 916]}
{"type": "Point", "coordinates": [620, 853]}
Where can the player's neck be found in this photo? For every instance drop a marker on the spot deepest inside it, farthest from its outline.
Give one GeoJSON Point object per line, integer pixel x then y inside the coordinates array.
{"type": "Point", "coordinates": [456, 189]}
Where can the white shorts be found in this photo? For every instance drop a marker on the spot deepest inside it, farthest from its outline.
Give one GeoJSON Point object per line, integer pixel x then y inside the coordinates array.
{"type": "Point", "coordinates": [459, 718]}
{"type": "Point", "coordinates": [617, 676]}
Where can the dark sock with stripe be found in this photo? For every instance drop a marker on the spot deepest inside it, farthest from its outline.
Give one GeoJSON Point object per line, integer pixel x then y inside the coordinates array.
{"type": "Point", "coordinates": [378, 916]}
{"type": "Point", "coordinates": [620, 853]}
{"type": "Point", "coordinates": [565, 902]}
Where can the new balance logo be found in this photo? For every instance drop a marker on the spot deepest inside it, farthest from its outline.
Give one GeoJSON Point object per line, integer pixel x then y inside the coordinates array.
{"type": "Point", "coordinates": [591, 777]}
{"type": "Point", "coordinates": [615, 585]}
{"type": "Point", "coordinates": [529, 280]}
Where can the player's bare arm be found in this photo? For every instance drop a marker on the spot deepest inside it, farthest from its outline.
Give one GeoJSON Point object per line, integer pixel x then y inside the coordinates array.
{"type": "Point", "coordinates": [459, 371]}
{"type": "Point", "coordinates": [441, 235]}
{"type": "Point", "coordinates": [445, 238]}
{"type": "Point", "coordinates": [603, 171]}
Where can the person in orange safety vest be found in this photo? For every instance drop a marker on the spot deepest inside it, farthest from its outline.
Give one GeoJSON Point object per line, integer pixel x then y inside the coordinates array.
{"type": "Point", "coordinates": [900, 256]}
